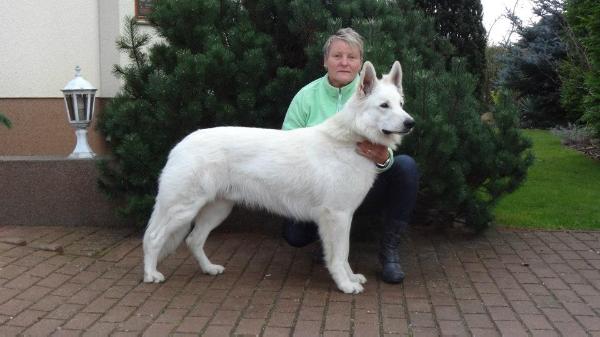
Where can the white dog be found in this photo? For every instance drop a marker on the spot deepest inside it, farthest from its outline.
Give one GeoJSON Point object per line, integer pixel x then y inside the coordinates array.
{"type": "Point", "coordinates": [310, 174]}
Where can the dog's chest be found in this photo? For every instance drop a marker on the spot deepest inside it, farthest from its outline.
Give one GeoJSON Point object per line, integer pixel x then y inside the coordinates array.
{"type": "Point", "coordinates": [343, 169]}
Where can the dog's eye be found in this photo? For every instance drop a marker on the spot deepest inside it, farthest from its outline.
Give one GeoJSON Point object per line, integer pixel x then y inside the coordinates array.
{"type": "Point", "coordinates": [384, 105]}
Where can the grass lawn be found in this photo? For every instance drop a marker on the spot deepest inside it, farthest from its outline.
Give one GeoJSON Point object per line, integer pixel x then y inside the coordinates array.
{"type": "Point", "coordinates": [562, 190]}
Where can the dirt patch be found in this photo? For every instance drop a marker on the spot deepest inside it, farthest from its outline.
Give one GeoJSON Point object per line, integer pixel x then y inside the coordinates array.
{"type": "Point", "coordinates": [590, 150]}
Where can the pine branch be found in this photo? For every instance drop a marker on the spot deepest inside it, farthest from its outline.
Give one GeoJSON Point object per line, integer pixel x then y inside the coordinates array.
{"type": "Point", "coordinates": [4, 120]}
{"type": "Point", "coordinates": [132, 42]}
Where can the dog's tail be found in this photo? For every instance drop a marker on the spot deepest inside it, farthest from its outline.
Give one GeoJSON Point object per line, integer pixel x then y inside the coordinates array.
{"type": "Point", "coordinates": [174, 241]}
{"type": "Point", "coordinates": [175, 238]}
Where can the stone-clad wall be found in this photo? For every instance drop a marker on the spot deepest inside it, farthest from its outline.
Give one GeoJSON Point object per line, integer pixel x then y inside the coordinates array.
{"type": "Point", "coordinates": [53, 191]}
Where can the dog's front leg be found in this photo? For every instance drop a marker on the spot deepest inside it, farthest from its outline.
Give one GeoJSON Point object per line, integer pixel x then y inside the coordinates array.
{"type": "Point", "coordinates": [334, 228]}
{"type": "Point", "coordinates": [360, 278]}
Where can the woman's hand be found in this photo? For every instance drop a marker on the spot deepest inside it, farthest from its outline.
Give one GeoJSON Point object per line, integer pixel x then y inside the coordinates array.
{"type": "Point", "coordinates": [375, 152]}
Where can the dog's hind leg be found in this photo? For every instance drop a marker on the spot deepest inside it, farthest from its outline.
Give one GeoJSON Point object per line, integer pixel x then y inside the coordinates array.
{"type": "Point", "coordinates": [334, 228]}
{"type": "Point", "coordinates": [164, 226]}
{"type": "Point", "coordinates": [207, 219]}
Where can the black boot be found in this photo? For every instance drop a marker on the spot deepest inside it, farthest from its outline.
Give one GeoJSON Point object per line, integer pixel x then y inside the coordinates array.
{"type": "Point", "coordinates": [388, 254]}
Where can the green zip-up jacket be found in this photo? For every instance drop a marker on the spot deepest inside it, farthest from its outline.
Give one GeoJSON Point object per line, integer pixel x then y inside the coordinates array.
{"type": "Point", "coordinates": [318, 101]}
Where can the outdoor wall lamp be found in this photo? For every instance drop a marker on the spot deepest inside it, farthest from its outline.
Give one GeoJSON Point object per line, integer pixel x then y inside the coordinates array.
{"type": "Point", "coordinates": [80, 96]}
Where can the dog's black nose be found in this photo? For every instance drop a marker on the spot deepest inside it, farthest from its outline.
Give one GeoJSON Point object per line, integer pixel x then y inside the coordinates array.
{"type": "Point", "coordinates": [409, 123]}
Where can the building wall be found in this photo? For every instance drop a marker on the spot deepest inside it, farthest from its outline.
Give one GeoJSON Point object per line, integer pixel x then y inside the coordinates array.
{"type": "Point", "coordinates": [42, 42]}
{"type": "Point", "coordinates": [41, 128]}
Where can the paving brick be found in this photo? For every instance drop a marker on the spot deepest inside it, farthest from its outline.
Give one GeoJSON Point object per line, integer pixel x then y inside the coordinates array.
{"type": "Point", "coordinates": [585, 290]}
{"type": "Point", "coordinates": [100, 305]}
{"type": "Point", "coordinates": [306, 329]}
{"type": "Point", "coordinates": [471, 306]}
{"type": "Point", "coordinates": [549, 301]}
{"type": "Point", "coordinates": [81, 321]}
{"type": "Point", "coordinates": [217, 331]}
{"type": "Point", "coordinates": [281, 319]}
{"type": "Point", "coordinates": [22, 282]}
{"type": "Point", "coordinates": [579, 309]}
{"type": "Point", "coordinates": [447, 313]}
{"type": "Point", "coordinates": [554, 283]}
{"type": "Point", "coordinates": [13, 307]}
{"type": "Point", "coordinates": [117, 314]}
{"type": "Point", "coordinates": [257, 311]}
{"type": "Point", "coordinates": [311, 313]}
{"type": "Point", "coordinates": [67, 289]}
{"type": "Point", "coordinates": [276, 332]}
{"type": "Point", "coordinates": [43, 327]}
{"type": "Point", "coordinates": [136, 322]}
{"type": "Point", "coordinates": [395, 326]}
{"type": "Point", "coordinates": [365, 316]}
{"type": "Point", "coordinates": [535, 322]}
{"type": "Point", "coordinates": [525, 307]}
{"type": "Point", "coordinates": [558, 315]}
{"type": "Point", "coordinates": [477, 332]}
{"type": "Point", "coordinates": [571, 329]}
{"type": "Point", "coordinates": [26, 318]}
{"type": "Point", "coordinates": [10, 331]}
{"type": "Point", "coordinates": [287, 305]}
{"type": "Point", "coordinates": [12, 271]}
{"type": "Point", "coordinates": [84, 296]}
{"type": "Point", "coordinates": [479, 321]}
{"type": "Point", "coordinates": [151, 308]}
{"type": "Point", "coordinates": [493, 300]}
{"type": "Point", "coordinates": [422, 319]}
{"type": "Point", "coordinates": [48, 303]}
{"type": "Point", "coordinates": [171, 315]}
{"type": "Point", "coordinates": [425, 332]}
{"type": "Point", "coordinates": [366, 329]}
{"type": "Point", "coordinates": [419, 305]}
{"type": "Point", "coordinates": [465, 293]}
{"type": "Point", "coordinates": [159, 329]}
{"type": "Point", "coordinates": [65, 311]}
{"type": "Point", "coordinates": [502, 314]}
{"type": "Point", "coordinates": [61, 332]}
{"type": "Point", "coordinates": [54, 280]}
{"type": "Point", "coordinates": [250, 327]}
{"type": "Point", "coordinates": [6, 294]}
{"type": "Point", "coordinates": [453, 328]}
{"type": "Point", "coordinates": [590, 323]}
{"type": "Point", "coordinates": [511, 328]}
{"type": "Point", "coordinates": [544, 333]}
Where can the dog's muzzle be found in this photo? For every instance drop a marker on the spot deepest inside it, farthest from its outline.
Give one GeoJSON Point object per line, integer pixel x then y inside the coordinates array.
{"type": "Point", "coordinates": [409, 124]}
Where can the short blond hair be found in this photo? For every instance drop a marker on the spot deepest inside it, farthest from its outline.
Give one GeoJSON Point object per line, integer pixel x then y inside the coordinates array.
{"type": "Point", "coordinates": [348, 35]}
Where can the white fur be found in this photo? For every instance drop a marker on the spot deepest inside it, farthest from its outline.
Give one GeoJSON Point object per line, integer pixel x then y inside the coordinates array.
{"type": "Point", "coordinates": [310, 174]}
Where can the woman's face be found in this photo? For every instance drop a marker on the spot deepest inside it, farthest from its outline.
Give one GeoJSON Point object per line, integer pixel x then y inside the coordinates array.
{"type": "Point", "coordinates": [342, 62]}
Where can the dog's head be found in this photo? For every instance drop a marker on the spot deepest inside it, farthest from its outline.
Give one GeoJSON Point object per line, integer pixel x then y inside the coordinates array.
{"type": "Point", "coordinates": [382, 118]}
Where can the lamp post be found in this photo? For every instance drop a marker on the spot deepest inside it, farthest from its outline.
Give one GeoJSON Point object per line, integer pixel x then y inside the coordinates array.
{"type": "Point", "coordinates": [80, 96]}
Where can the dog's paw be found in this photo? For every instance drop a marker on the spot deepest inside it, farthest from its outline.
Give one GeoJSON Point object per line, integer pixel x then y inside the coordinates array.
{"type": "Point", "coordinates": [153, 277]}
{"type": "Point", "coordinates": [359, 278]}
{"type": "Point", "coordinates": [214, 269]}
{"type": "Point", "coordinates": [351, 287]}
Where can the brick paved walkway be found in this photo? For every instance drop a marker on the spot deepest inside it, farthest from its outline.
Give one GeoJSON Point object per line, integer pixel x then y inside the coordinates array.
{"type": "Point", "coordinates": [510, 283]}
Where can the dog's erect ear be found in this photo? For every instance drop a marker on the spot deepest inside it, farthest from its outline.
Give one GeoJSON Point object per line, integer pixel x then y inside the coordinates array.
{"type": "Point", "coordinates": [368, 79]}
{"type": "Point", "coordinates": [395, 75]}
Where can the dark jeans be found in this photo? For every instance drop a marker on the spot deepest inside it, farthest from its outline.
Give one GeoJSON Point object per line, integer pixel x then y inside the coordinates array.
{"type": "Point", "coordinates": [392, 196]}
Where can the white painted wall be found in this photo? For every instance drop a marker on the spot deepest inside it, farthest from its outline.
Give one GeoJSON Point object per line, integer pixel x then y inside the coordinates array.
{"type": "Point", "coordinates": [41, 42]}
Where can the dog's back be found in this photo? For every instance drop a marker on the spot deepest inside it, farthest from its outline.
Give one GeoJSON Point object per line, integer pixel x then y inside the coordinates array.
{"type": "Point", "coordinates": [291, 173]}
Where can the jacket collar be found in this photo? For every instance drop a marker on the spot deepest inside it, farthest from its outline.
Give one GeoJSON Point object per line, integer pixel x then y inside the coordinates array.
{"type": "Point", "coordinates": [346, 90]}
